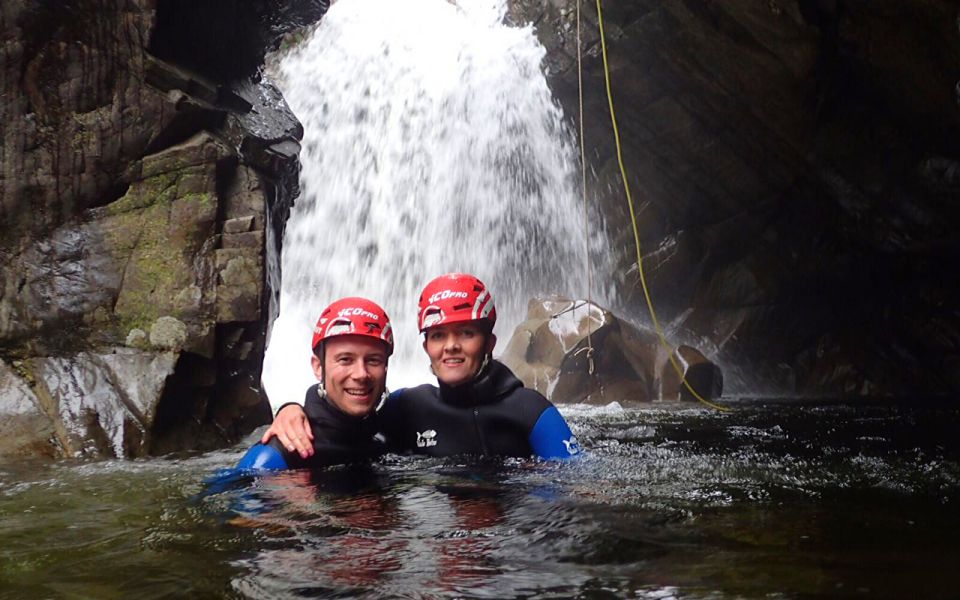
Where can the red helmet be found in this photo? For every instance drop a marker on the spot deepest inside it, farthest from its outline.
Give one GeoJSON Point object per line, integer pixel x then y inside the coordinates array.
{"type": "Point", "coordinates": [453, 298]}
{"type": "Point", "coordinates": [353, 316]}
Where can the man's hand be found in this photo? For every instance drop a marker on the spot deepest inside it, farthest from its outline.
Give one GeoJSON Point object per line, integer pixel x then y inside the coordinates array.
{"type": "Point", "coordinates": [293, 430]}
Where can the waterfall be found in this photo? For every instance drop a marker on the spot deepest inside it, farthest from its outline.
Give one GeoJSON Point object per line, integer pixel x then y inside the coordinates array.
{"type": "Point", "coordinates": [432, 144]}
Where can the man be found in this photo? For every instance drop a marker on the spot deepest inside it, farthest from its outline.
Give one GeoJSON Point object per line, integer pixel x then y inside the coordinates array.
{"type": "Point", "coordinates": [479, 406]}
{"type": "Point", "coordinates": [352, 343]}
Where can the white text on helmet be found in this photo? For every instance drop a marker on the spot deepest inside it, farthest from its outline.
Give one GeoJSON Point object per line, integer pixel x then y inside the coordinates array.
{"type": "Point", "coordinates": [346, 312]}
{"type": "Point", "coordinates": [446, 294]}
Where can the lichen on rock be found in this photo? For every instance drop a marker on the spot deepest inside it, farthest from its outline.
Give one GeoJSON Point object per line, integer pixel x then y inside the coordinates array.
{"type": "Point", "coordinates": [169, 333]}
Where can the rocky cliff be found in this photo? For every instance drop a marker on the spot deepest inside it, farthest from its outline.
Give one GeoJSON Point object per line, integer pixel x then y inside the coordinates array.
{"type": "Point", "coordinates": [795, 166]}
{"type": "Point", "coordinates": [146, 168]}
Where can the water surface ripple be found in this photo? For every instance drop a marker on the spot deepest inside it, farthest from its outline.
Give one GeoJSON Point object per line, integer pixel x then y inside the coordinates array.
{"type": "Point", "coordinates": [772, 500]}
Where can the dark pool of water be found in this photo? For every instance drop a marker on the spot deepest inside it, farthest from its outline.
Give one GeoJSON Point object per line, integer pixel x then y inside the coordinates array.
{"type": "Point", "coordinates": [772, 500]}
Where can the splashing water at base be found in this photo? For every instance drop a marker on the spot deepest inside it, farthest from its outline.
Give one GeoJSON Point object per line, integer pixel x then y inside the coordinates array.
{"type": "Point", "coordinates": [432, 144]}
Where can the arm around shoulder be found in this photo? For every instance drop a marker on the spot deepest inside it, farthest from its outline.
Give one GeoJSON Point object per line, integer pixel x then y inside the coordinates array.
{"type": "Point", "coordinates": [292, 430]}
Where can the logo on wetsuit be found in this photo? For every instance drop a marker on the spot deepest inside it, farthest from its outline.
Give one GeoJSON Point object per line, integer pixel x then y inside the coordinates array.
{"type": "Point", "coordinates": [426, 439]}
{"type": "Point", "coordinates": [573, 446]}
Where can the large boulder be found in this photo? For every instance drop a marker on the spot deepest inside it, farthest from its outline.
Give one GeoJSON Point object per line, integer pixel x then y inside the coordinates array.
{"type": "Point", "coordinates": [575, 351]}
{"type": "Point", "coordinates": [143, 194]}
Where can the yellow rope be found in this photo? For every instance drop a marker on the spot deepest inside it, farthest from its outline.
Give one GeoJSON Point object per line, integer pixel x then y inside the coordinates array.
{"type": "Point", "coordinates": [633, 218]}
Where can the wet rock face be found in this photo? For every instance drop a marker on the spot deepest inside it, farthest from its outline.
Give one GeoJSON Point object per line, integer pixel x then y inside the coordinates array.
{"type": "Point", "coordinates": [794, 165]}
{"type": "Point", "coordinates": [25, 427]}
{"type": "Point", "coordinates": [67, 137]}
{"type": "Point", "coordinates": [138, 197]}
{"type": "Point", "coordinates": [101, 403]}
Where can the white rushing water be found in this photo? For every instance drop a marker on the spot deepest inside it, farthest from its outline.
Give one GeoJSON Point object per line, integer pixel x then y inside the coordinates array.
{"type": "Point", "coordinates": [432, 144]}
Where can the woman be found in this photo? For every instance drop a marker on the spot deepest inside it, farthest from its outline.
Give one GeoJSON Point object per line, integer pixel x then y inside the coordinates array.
{"type": "Point", "coordinates": [479, 406]}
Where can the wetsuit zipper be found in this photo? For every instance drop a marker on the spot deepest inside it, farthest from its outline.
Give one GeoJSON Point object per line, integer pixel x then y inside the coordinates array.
{"type": "Point", "coordinates": [476, 424]}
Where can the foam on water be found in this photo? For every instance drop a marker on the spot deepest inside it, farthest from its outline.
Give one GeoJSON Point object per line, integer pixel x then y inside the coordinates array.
{"type": "Point", "coordinates": [432, 144]}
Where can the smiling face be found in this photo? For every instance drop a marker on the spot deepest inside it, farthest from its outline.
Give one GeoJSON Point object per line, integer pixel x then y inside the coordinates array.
{"type": "Point", "coordinates": [354, 373]}
{"type": "Point", "coordinates": [456, 350]}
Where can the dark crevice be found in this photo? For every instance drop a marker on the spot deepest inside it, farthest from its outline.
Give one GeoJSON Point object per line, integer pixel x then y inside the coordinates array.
{"type": "Point", "coordinates": [110, 194]}
{"type": "Point", "coordinates": [196, 34]}
{"type": "Point", "coordinates": [184, 126]}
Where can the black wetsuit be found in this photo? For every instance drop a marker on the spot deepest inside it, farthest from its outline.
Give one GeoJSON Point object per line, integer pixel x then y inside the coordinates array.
{"type": "Point", "coordinates": [492, 415]}
{"type": "Point", "coordinates": [338, 438]}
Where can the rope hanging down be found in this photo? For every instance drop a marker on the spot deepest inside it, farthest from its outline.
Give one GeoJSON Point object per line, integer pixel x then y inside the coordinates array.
{"type": "Point", "coordinates": [633, 217]}
{"type": "Point", "coordinates": [583, 192]}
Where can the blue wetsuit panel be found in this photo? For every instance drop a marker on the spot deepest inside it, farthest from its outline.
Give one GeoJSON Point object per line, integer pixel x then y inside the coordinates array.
{"type": "Point", "coordinates": [262, 457]}
{"type": "Point", "coordinates": [551, 436]}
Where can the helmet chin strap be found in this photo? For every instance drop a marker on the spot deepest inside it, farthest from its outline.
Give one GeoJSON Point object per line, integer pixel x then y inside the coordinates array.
{"type": "Point", "coordinates": [383, 398]}
{"type": "Point", "coordinates": [321, 385]}
{"type": "Point", "coordinates": [483, 366]}
{"type": "Point", "coordinates": [487, 357]}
